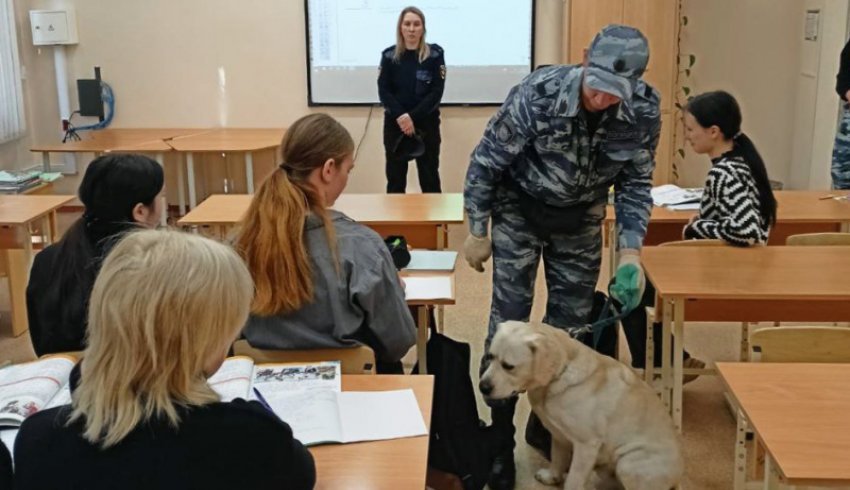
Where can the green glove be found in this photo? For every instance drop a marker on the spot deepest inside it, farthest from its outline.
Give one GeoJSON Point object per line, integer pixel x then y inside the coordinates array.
{"type": "Point", "coordinates": [629, 280]}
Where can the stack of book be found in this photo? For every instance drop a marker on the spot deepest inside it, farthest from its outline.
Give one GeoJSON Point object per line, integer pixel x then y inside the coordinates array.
{"type": "Point", "coordinates": [16, 182]}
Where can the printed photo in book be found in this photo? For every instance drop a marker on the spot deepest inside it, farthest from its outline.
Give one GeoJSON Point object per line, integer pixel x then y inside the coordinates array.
{"type": "Point", "coordinates": [310, 399]}
{"type": "Point", "coordinates": [29, 387]}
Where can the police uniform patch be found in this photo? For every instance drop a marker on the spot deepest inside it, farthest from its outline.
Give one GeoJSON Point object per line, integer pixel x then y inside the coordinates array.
{"type": "Point", "coordinates": [443, 72]}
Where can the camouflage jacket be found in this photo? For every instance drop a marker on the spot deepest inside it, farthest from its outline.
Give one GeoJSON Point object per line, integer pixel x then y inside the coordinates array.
{"type": "Point", "coordinates": [540, 138]}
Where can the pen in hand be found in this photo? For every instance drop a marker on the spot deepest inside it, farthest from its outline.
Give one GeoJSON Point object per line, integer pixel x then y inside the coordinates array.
{"type": "Point", "coordinates": [262, 400]}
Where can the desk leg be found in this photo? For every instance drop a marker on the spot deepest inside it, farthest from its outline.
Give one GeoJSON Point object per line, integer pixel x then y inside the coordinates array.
{"type": "Point", "coordinates": [649, 354]}
{"type": "Point", "coordinates": [51, 229]}
{"type": "Point", "coordinates": [17, 266]}
{"type": "Point", "coordinates": [249, 172]}
{"type": "Point", "coordinates": [190, 172]}
{"type": "Point", "coordinates": [740, 480]}
{"type": "Point", "coordinates": [666, 355]}
{"type": "Point", "coordinates": [163, 218]}
{"type": "Point", "coordinates": [612, 249]}
{"type": "Point", "coordinates": [181, 192]}
{"type": "Point", "coordinates": [442, 243]}
{"type": "Point", "coordinates": [422, 338]}
{"type": "Point", "coordinates": [771, 476]}
{"type": "Point", "coordinates": [45, 161]}
{"type": "Point", "coordinates": [678, 353]}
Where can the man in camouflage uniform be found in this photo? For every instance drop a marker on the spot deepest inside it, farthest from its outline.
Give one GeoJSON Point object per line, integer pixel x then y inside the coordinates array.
{"type": "Point", "coordinates": [841, 152]}
{"type": "Point", "coordinates": [563, 136]}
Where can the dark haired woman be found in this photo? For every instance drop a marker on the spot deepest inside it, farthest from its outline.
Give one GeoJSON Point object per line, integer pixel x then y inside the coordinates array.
{"type": "Point", "coordinates": [119, 192]}
{"type": "Point", "coordinates": [738, 205]}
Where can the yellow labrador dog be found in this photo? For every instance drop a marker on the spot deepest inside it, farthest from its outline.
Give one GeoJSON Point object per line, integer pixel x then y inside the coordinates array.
{"type": "Point", "coordinates": [615, 422]}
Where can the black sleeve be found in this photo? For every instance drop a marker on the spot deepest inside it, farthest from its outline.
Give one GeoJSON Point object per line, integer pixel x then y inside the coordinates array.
{"type": "Point", "coordinates": [431, 102]}
{"type": "Point", "coordinates": [842, 83]}
{"type": "Point", "coordinates": [385, 94]}
{"type": "Point", "coordinates": [5, 467]}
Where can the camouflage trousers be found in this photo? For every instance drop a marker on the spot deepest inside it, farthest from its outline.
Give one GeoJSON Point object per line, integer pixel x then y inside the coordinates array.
{"type": "Point", "coordinates": [841, 152]}
{"type": "Point", "coordinates": [570, 261]}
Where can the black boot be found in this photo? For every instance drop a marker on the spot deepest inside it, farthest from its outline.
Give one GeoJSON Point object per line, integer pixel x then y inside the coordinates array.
{"type": "Point", "coordinates": [503, 472]}
{"type": "Point", "coordinates": [538, 437]}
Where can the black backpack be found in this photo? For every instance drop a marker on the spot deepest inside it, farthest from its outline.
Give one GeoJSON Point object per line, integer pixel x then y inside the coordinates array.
{"type": "Point", "coordinates": [461, 444]}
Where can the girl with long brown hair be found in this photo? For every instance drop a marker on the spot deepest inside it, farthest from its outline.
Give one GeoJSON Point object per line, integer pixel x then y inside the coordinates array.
{"type": "Point", "coordinates": [321, 279]}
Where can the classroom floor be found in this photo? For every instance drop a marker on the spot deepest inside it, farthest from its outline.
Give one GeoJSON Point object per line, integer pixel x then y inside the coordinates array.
{"type": "Point", "coordinates": [709, 428]}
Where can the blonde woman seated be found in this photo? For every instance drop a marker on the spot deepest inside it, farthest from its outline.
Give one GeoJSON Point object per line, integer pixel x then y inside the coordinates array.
{"type": "Point", "coordinates": [164, 310]}
{"type": "Point", "coordinates": [322, 280]}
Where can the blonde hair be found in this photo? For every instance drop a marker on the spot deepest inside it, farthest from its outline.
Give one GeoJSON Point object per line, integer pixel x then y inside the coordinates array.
{"type": "Point", "coordinates": [271, 238]}
{"type": "Point", "coordinates": [423, 49]}
{"type": "Point", "coordinates": [163, 304]}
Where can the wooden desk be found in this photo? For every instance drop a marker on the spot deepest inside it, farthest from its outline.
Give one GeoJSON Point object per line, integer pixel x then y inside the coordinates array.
{"type": "Point", "coordinates": [19, 212]}
{"type": "Point", "coordinates": [797, 212]}
{"type": "Point", "coordinates": [742, 284]}
{"type": "Point", "coordinates": [131, 140]}
{"type": "Point", "coordinates": [226, 140]}
{"type": "Point", "coordinates": [393, 464]}
{"type": "Point", "coordinates": [422, 218]}
{"type": "Point", "coordinates": [800, 413]}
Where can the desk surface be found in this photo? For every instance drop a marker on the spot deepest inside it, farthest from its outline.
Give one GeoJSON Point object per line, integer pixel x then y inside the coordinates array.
{"type": "Point", "coordinates": [755, 273]}
{"type": "Point", "coordinates": [800, 411]}
{"type": "Point", "coordinates": [398, 463]}
{"type": "Point", "coordinates": [21, 209]}
{"type": "Point", "coordinates": [122, 139]}
{"type": "Point", "coordinates": [369, 209]}
{"type": "Point", "coordinates": [792, 207]}
{"type": "Point", "coordinates": [230, 139]}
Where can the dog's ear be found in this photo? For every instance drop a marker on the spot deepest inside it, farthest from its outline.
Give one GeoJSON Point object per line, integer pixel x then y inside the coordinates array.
{"type": "Point", "coordinates": [546, 360]}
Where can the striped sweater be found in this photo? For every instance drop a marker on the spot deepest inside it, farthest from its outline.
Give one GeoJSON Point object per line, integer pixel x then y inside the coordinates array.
{"type": "Point", "coordinates": [729, 209]}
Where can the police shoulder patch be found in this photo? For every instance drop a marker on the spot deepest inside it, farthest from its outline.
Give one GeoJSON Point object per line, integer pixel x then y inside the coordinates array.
{"type": "Point", "coordinates": [443, 72]}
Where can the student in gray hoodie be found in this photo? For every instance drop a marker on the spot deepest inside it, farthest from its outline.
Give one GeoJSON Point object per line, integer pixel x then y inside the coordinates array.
{"type": "Point", "coordinates": [322, 280]}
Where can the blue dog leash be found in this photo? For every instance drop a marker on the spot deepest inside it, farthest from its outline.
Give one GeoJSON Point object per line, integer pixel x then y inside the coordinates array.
{"type": "Point", "coordinates": [604, 321]}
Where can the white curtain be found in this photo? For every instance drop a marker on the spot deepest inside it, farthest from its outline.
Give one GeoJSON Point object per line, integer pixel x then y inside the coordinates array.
{"type": "Point", "coordinates": [11, 95]}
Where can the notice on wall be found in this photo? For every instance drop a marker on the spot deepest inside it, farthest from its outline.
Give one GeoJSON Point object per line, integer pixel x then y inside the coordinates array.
{"type": "Point", "coordinates": [812, 25]}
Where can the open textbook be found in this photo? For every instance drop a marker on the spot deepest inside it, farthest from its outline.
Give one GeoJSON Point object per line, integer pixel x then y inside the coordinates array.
{"type": "Point", "coordinates": [27, 388]}
{"type": "Point", "coordinates": [310, 399]}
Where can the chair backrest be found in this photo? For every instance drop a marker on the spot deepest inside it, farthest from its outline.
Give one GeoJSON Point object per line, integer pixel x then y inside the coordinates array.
{"type": "Point", "coordinates": [801, 344]}
{"type": "Point", "coordinates": [819, 239]}
{"type": "Point", "coordinates": [353, 360]}
{"type": "Point", "coordinates": [693, 243]}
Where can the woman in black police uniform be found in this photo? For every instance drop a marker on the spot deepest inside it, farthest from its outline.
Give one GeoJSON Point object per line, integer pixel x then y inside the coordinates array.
{"type": "Point", "coordinates": [410, 86]}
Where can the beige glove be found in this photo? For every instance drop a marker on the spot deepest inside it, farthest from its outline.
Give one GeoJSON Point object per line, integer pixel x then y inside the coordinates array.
{"type": "Point", "coordinates": [477, 250]}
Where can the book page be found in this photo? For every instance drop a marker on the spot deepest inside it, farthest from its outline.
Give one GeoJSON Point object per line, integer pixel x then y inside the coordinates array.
{"type": "Point", "coordinates": [378, 415]}
{"type": "Point", "coordinates": [313, 415]}
{"type": "Point", "coordinates": [436, 287]}
{"type": "Point", "coordinates": [26, 388]}
{"type": "Point", "coordinates": [671, 194]}
{"type": "Point", "coordinates": [288, 377]}
{"type": "Point", "coordinates": [432, 260]}
{"type": "Point", "coordinates": [233, 378]}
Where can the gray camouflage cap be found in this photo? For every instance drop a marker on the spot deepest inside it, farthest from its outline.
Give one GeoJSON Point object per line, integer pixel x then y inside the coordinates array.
{"type": "Point", "coordinates": [616, 59]}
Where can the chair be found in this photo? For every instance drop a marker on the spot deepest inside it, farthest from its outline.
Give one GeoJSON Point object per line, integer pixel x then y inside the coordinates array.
{"type": "Point", "coordinates": [787, 344]}
{"type": "Point", "coordinates": [353, 360]}
{"type": "Point", "coordinates": [801, 344]}
{"type": "Point", "coordinates": [819, 239]}
{"type": "Point", "coordinates": [649, 366]}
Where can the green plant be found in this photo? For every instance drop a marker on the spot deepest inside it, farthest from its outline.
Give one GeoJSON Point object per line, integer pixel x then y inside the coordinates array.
{"type": "Point", "coordinates": [684, 68]}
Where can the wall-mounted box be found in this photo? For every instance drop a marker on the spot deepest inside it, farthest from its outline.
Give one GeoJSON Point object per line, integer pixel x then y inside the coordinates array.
{"type": "Point", "coordinates": [53, 27]}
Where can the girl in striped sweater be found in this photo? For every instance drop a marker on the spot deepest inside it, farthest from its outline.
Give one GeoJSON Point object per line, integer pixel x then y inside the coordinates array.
{"type": "Point", "coordinates": [738, 205]}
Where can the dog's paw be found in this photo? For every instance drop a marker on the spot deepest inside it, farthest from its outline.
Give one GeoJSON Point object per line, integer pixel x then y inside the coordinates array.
{"type": "Point", "coordinates": [546, 477]}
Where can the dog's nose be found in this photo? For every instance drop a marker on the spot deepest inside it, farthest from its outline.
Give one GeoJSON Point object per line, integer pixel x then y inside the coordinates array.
{"type": "Point", "coordinates": [486, 387]}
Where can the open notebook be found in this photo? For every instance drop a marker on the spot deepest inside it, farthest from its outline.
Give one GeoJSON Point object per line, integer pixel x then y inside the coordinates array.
{"type": "Point", "coordinates": [309, 398]}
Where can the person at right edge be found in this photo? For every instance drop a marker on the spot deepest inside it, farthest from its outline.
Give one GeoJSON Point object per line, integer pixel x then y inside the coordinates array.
{"type": "Point", "coordinates": [410, 87]}
{"type": "Point", "coordinates": [541, 174]}
{"type": "Point", "coordinates": [841, 150]}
